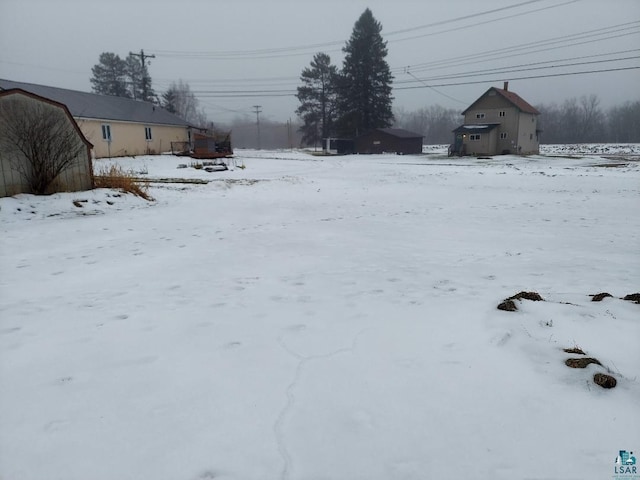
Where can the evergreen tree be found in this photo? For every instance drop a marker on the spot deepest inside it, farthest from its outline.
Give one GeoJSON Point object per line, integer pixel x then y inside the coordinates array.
{"type": "Point", "coordinates": [169, 100]}
{"type": "Point", "coordinates": [135, 73]}
{"type": "Point", "coordinates": [139, 79]}
{"type": "Point", "coordinates": [110, 76]}
{"type": "Point", "coordinates": [364, 89]}
{"type": "Point", "coordinates": [317, 97]}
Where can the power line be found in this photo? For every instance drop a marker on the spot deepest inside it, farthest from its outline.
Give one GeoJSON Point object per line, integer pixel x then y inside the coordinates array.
{"type": "Point", "coordinates": [268, 53]}
{"type": "Point", "coordinates": [495, 80]}
{"type": "Point", "coordinates": [526, 68]}
{"type": "Point", "coordinates": [505, 51]}
{"type": "Point", "coordinates": [251, 94]}
{"type": "Point", "coordinates": [546, 65]}
{"type": "Point", "coordinates": [437, 91]}
{"type": "Point", "coordinates": [477, 24]}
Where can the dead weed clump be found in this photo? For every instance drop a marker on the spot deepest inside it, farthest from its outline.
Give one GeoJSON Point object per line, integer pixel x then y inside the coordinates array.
{"type": "Point", "coordinates": [575, 351]}
{"type": "Point", "coordinates": [581, 362]}
{"type": "Point", "coordinates": [598, 297]}
{"type": "Point", "coordinates": [604, 380]}
{"type": "Point", "coordinates": [117, 178]}
{"type": "Point", "coordinates": [633, 297]}
{"type": "Point", "coordinates": [533, 296]}
{"type": "Point", "coordinates": [509, 305]}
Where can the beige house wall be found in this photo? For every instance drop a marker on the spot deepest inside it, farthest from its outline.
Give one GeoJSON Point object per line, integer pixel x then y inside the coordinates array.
{"type": "Point", "coordinates": [491, 106]}
{"type": "Point", "coordinates": [128, 138]}
{"type": "Point", "coordinates": [13, 165]}
{"type": "Point", "coordinates": [528, 141]}
{"type": "Point", "coordinates": [515, 134]}
{"type": "Point", "coordinates": [485, 146]}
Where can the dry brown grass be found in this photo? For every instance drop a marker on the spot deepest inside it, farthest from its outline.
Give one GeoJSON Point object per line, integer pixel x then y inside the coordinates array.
{"type": "Point", "coordinates": [117, 178]}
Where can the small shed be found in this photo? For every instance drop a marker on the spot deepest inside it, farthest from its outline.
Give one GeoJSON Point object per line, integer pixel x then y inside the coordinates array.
{"type": "Point", "coordinates": [389, 140]}
{"type": "Point", "coordinates": [15, 105]}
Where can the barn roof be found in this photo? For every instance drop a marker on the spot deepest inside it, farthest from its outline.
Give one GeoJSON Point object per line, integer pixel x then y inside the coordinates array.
{"type": "Point", "coordinates": [100, 107]}
{"type": "Point", "coordinates": [512, 97]}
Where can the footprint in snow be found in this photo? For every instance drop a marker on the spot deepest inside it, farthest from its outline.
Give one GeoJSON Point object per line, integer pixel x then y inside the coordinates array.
{"type": "Point", "coordinates": [296, 328]}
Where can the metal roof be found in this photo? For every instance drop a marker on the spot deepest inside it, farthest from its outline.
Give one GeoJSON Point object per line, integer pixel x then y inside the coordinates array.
{"type": "Point", "coordinates": [101, 107]}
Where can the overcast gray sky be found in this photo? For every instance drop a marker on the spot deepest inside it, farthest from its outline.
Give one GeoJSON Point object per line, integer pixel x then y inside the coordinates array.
{"type": "Point", "coordinates": [257, 49]}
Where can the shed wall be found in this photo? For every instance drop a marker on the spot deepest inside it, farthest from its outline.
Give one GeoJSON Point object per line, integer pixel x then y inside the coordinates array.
{"type": "Point", "coordinates": [380, 142]}
{"type": "Point", "coordinates": [78, 176]}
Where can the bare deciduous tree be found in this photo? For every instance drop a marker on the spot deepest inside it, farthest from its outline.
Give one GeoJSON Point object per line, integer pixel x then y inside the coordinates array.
{"type": "Point", "coordinates": [39, 140]}
{"type": "Point", "coordinates": [179, 99]}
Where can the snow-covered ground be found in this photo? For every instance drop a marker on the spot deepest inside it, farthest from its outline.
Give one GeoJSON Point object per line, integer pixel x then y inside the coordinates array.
{"type": "Point", "coordinates": [323, 318]}
{"type": "Point", "coordinates": [575, 149]}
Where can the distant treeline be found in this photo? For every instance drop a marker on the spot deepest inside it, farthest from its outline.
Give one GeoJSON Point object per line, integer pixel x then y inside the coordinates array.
{"type": "Point", "coordinates": [583, 121]}
{"type": "Point", "coordinates": [577, 120]}
{"type": "Point", "coordinates": [273, 135]}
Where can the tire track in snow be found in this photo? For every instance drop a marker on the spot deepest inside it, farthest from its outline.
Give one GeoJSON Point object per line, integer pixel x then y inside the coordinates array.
{"type": "Point", "coordinates": [278, 426]}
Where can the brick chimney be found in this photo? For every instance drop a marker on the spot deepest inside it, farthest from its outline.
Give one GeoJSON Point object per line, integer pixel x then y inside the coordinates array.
{"type": "Point", "coordinates": [506, 86]}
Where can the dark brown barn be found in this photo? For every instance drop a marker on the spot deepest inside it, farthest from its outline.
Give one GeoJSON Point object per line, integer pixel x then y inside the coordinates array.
{"type": "Point", "coordinates": [389, 140]}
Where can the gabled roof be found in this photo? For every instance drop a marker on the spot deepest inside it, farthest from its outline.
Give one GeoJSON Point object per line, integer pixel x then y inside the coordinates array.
{"type": "Point", "coordinates": [74, 124]}
{"type": "Point", "coordinates": [515, 99]}
{"type": "Point", "coordinates": [100, 107]}
{"type": "Point", "coordinates": [399, 132]}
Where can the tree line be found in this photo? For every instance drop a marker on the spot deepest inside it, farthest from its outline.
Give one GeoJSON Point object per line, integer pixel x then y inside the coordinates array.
{"type": "Point", "coordinates": [576, 120]}
{"type": "Point", "coordinates": [130, 78]}
{"type": "Point", "coordinates": [568, 122]}
{"type": "Point", "coordinates": [582, 120]}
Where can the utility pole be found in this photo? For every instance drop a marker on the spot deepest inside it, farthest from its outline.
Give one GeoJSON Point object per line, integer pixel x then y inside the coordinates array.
{"type": "Point", "coordinates": [145, 91]}
{"type": "Point", "coordinates": [258, 109]}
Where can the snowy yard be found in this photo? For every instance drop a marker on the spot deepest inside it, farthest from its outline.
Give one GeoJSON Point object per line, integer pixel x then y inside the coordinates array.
{"type": "Point", "coordinates": [316, 318]}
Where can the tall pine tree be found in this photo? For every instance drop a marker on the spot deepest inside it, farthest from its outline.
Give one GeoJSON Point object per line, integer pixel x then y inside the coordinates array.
{"type": "Point", "coordinates": [110, 76]}
{"type": "Point", "coordinates": [364, 98]}
{"type": "Point", "coordinates": [317, 97]}
{"type": "Point", "coordinates": [122, 78]}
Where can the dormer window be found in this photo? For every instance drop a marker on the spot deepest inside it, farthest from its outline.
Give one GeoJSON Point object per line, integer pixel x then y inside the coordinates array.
{"type": "Point", "coordinates": [479, 115]}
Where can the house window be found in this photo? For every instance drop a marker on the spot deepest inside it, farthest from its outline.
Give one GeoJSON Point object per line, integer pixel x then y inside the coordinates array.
{"type": "Point", "coordinates": [474, 136]}
{"type": "Point", "coordinates": [531, 136]}
{"type": "Point", "coordinates": [502, 114]}
{"type": "Point", "coordinates": [479, 115]}
{"type": "Point", "coordinates": [503, 135]}
{"type": "Point", "coordinates": [147, 133]}
{"type": "Point", "coordinates": [106, 132]}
